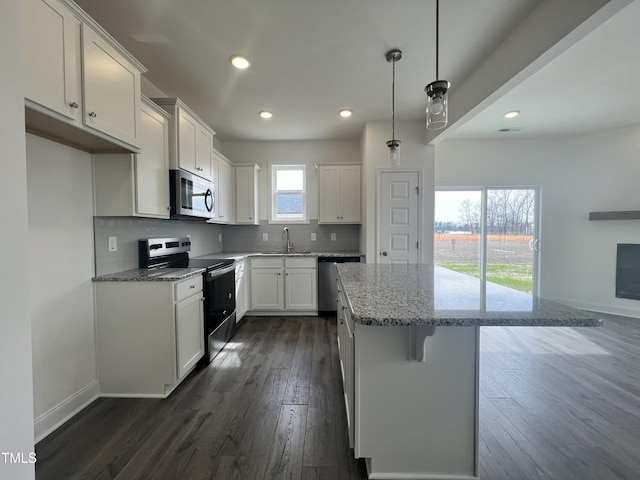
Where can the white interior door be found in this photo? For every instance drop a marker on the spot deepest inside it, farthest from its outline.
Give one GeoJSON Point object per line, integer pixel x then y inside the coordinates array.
{"type": "Point", "coordinates": [398, 217]}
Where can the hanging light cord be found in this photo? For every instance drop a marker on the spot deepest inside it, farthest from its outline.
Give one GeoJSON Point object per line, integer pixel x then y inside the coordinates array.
{"type": "Point", "coordinates": [393, 101]}
{"type": "Point", "coordinates": [437, 38]}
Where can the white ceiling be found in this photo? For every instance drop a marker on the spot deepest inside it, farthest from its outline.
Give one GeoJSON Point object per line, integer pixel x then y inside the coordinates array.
{"type": "Point", "coordinates": [309, 59]}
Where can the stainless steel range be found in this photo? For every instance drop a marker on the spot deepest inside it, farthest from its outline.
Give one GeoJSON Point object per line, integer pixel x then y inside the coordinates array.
{"type": "Point", "coordinates": [219, 286]}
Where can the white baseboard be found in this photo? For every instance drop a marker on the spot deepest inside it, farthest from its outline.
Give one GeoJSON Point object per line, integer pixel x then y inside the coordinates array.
{"type": "Point", "coordinates": [49, 421]}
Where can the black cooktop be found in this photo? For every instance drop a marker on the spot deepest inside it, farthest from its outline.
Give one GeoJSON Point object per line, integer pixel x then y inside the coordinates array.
{"type": "Point", "coordinates": [210, 263]}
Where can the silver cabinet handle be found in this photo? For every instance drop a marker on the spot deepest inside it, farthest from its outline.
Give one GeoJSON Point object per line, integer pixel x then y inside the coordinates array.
{"type": "Point", "coordinates": [92, 114]}
{"type": "Point", "coordinates": [74, 105]}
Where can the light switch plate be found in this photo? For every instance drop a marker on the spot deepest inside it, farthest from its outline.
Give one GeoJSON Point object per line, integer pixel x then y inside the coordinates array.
{"type": "Point", "coordinates": [333, 237]}
{"type": "Point", "coordinates": [313, 236]}
{"type": "Point", "coordinates": [265, 237]}
{"type": "Point", "coordinates": [113, 244]}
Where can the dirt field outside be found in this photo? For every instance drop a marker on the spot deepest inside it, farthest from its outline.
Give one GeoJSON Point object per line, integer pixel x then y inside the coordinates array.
{"type": "Point", "coordinates": [509, 257]}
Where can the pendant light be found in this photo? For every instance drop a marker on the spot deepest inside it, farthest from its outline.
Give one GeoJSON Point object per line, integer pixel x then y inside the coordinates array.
{"type": "Point", "coordinates": [438, 91]}
{"type": "Point", "coordinates": [394, 145]}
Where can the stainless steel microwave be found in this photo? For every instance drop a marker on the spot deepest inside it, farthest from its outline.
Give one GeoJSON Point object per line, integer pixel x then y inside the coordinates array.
{"type": "Point", "coordinates": [192, 197]}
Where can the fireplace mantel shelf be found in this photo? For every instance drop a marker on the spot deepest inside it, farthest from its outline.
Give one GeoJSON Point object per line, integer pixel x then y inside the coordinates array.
{"type": "Point", "coordinates": [617, 215]}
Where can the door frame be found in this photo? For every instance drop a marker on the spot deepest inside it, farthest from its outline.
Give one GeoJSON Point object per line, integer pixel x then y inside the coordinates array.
{"type": "Point", "coordinates": [421, 196]}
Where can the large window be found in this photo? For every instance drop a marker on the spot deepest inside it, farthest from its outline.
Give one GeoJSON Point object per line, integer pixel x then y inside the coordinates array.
{"type": "Point", "coordinates": [288, 194]}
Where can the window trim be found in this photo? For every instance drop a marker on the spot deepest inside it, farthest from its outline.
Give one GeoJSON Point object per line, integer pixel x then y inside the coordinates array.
{"type": "Point", "coordinates": [273, 219]}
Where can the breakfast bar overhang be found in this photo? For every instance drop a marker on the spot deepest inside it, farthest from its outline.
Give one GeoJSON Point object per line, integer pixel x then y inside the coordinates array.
{"type": "Point", "coordinates": [414, 361]}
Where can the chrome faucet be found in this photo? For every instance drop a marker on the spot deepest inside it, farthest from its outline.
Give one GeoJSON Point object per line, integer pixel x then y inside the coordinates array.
{"type": "Point", "coordinates": [285, 234]}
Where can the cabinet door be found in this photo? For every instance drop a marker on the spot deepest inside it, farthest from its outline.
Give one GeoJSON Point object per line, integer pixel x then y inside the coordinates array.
{"type": "Point", "coordinates": [328, 189]}
{"type": "Point", "coordinates": [189, 333]}
{"type": "Point", "coordinates": [223, 191]}
{"type": "Point", "coordinates": [301, 289]}
{"type": "Point", "coordinates": [152, 165]}
{"type": "Point", "coordinates": [350, 181]}
{"type": "Point", "coordinates": [52, 57]}
{"type": "Point", "coordinates": [204, 152]}
{"type": "Point", "coordinates": [111, 89]}
{"type": "Point", "coordinates": [245, 211]}
{"type": "Point", "coordinates": [267, 289]}
{"type": "Point", "coordinates": [187, 140]}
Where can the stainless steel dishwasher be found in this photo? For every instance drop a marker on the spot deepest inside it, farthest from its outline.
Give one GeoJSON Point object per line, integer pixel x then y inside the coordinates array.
{"type": "Point", "coordinates": [327, 290]}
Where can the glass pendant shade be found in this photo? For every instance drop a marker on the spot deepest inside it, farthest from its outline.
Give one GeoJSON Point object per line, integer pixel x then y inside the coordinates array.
{"type": "Point", "coordinates": [437, 104]}
{"type": "Point", "coordinates": [394, 153]}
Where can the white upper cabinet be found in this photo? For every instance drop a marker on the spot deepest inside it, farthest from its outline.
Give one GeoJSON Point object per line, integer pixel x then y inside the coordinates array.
{"type": "Point", "coordinates": [81, 86]}
{"type": "Point", "coordinates": [247, 194]}
{"type": "Point", "coordinates": [190, 139]}
{"type": "Point", "coordinates": [222, 181]}
{"type": "Point", "coordinates": [52, 45]}
{"type": "Point", "coordinates": [136, 184]}
{"type": "Point", "coordinates": [111, 89]}
{"type": "Point", "coordinates": [339, 193]}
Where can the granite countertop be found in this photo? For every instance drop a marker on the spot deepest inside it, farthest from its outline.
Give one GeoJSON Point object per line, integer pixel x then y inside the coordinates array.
{"type": "Point", "coordinates": [405, 295]}
{"type": "Point", "coordinates": [242, 255]}
{"type": "Point", "coordinates": [145, 275]}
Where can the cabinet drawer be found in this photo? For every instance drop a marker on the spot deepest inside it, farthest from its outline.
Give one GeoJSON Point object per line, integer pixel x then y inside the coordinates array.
{"type": "Point", "coordinates": [261, 262]}
{"type": "Point", "coordinates": [188, 287]}
{"type": "Point", "coordinates": [300, 262]}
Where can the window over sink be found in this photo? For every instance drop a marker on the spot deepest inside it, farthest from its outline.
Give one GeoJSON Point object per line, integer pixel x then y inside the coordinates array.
{"type": "Point", "coordinates": [288, 194]}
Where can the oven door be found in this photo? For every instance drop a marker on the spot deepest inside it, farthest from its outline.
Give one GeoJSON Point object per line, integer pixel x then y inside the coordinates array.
{"type": "Point", "coordinates": [220, 310]}
{"type": "Point", "coordinates": [192, 197]}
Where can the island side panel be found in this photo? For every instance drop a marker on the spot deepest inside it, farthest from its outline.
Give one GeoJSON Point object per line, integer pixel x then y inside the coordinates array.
{"type": "Point", "coordinates": [414, 419]}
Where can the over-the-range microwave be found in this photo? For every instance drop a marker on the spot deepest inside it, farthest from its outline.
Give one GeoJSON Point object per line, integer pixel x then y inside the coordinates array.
{"type": "Point", "coordinates": [192, 197]}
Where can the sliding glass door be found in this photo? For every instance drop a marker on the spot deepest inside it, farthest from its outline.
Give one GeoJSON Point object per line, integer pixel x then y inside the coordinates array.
{"type": "Point", "coordinates": [489, 233]}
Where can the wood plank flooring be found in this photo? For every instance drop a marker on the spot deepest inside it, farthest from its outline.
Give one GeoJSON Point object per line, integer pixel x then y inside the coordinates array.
{"type": "Point", "coordinates": [555, 403]}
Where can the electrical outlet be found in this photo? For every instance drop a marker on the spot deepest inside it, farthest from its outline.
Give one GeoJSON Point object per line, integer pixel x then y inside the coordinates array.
{"type": "Point", "coordinates": [113, 244]}
{"type": "Point", "coordinates": [265, 237]}
{"type": "Point", "coordinates": [220, 237]}
{"type": "Point", "coordinates": [333, 237]}
{"type": "Point", "coordinates": [313, 236]}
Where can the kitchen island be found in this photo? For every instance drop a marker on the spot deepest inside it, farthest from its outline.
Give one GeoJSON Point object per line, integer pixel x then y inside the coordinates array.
{"type": "Point", "coordinates": [409, 338]}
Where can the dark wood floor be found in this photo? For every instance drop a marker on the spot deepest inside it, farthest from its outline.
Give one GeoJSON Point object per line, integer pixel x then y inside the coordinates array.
{"type": "Point", "coordinates": [558, 404]}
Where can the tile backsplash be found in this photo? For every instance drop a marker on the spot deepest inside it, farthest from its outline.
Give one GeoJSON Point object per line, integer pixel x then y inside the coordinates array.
{"type": "Point", "coordinates": [128, 230]}
{"type": "Point", "coordinates": [249, 238]}
{"type": "Point", "coordinates": [205, 238]}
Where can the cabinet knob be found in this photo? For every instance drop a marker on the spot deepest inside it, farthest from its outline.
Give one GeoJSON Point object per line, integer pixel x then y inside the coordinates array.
{"type": "Point", "coordinates": [74, 105]}
{"type": "Point", "coordinates": [192, 286]}
{"type": "Point", "coordinates": [92, 114]}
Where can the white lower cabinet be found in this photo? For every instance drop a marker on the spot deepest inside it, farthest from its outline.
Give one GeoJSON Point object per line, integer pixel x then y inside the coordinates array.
{"type": "Point", "coordinates": [346, 351]}
{"type": "Point", "coordinates": [284, 284]}
{"type": "Point", "coordinates": [242, 302]}
{"type": "Point", "coordinates": [150, 335]}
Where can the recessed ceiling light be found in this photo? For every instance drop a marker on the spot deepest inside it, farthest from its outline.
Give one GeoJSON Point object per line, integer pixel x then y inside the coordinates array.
{"type": "Point", "coordinates": [266, 114]}
{"type": "Point", "coordinates": [512, 114]}
{"type": "Point", "coordinates": [346, 113]}
{"type": "Point", "coordinates": [239, 62]}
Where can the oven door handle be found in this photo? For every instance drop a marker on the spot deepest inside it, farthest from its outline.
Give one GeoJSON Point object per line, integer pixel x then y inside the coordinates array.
{"type": "Point", "coordinates": [217, 273]}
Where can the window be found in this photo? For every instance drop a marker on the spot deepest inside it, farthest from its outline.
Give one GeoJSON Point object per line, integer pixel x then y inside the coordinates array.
{"type": "Point", "coordinates": [289, 194]}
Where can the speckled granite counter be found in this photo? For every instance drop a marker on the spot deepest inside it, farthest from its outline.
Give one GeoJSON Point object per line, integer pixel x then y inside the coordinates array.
{"type": "Point", "coordinates": [418, 295]}
{"type": "Point", "coordinates": [242, 255]}
{"type": "Point", "coordinates": [144, 275]}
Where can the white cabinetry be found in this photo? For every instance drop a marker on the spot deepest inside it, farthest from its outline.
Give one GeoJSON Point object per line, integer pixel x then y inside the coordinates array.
{"type": "Point", "coordinates": [339, 193]}
{"type": "Point", "coordinates": [346, 354]}
{"type": "Point", "coordinates": [247, 194]}
{"type": "Point", "coordinates": [284, 284]}
{"type": "Point", "coordinates": [80, 83]}
{"type": "Point", "coordinates": [136, 184]}
{"type": "Point", "coordinates": [190, 139]}
{"type": "Point", "coordinates": [149, 335]}
{"type": "Point", "coordinates": [222, 182]}
{"type": "Point", "coordinates": [242, 301]}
